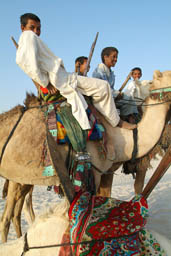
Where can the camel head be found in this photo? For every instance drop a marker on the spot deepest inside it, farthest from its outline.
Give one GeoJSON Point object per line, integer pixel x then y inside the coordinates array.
{"type": "Point", "coordinates": [161, 79]}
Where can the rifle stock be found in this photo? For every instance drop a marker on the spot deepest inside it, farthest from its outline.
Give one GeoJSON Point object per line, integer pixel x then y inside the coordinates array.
{"type": "Point", "coordinates": [126, 81]}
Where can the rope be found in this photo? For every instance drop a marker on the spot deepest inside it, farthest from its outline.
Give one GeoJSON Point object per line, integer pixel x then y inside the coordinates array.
{"type": "Point", "coordinates": [27, 248]}
{"type": "Point", "coordinates": [135, 150]}
{"type": "Point", "coordinates": [102, 172]}
{"type": "Point", "coordinates": [139, 100]}
{"type": "Point", "coordinates": [133, 158]}
{"type": "Point", "coordinates": [11, 133]}
{"type": "Point", "coordinates": [145, 105]}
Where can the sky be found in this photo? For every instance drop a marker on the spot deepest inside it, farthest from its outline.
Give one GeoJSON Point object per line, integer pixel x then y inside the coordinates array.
{"type": "Point", "coordinates": [140, 30]}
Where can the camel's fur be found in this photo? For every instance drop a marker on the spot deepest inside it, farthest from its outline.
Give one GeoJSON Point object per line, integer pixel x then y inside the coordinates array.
{"type": "Point", "coordinates": [21, 161]}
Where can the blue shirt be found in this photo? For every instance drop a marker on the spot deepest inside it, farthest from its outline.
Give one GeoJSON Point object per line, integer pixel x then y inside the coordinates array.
{"type": "Point", "coordinates": [104, 73]}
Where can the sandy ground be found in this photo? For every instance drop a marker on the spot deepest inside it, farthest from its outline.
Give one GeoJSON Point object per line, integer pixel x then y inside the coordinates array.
{"type": "Point", "coordinates": [159, 200]}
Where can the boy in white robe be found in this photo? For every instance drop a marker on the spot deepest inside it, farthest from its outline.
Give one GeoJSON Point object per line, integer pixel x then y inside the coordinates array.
{"type": "Point", "coordinates": [132, 89]}
{"type": "Point", "coordinates": [138, 89]}
{"type": "Point", "coordinates": [39, 63]}
{"type": "Point", "coordinates": [47, 71]}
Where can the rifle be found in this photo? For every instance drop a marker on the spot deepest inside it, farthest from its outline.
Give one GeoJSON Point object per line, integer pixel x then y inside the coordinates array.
{"type": "Point", "coordinates": [91, 54]}
{"type": "Point", "coordinates": [15, 43]}
{"type": "Point", "coordinates": [118, 97]}
{"type": "Point", "coordinates": [126, 81]}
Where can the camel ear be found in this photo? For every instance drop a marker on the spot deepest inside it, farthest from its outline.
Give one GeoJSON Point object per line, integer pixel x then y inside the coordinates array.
{"type": "Point", "coordinates": [157, 74]}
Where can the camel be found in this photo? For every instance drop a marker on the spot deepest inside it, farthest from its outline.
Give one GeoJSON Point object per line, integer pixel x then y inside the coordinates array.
{"type": "Point", "coordinates": [21, 160]}
{"type": "Point", "coordinates": [25, 162]}
{"type": "Point", "coordinates": [48, 229]}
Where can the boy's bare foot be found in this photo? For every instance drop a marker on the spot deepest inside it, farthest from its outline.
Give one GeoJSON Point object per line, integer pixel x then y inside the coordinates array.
{"type": "Point", "coordinates": [126, 125]}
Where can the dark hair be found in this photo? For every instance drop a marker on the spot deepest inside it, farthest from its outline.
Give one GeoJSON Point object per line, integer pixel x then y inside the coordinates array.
{"type": "Point", "coordinates": [81, 59]}
{"type": "Point", "coordinates": [107, 51]}
{"type": "Point", "coordinates": [28, 16]}
{"type": "Point", "coordinates": [137, 68]}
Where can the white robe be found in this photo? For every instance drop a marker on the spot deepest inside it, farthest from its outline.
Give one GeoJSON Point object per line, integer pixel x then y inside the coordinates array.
{"type": "Point", "coordinates": [39, 63]}
{"type": "Point", "coordinates": [138, 89]}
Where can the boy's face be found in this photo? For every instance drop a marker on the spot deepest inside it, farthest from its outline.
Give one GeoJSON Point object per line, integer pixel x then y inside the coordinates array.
{"type": "Point", "coordinates": [83, 67]}
{"type": "Point", "coordinates": [111, 60]}
{"type": "Point", "coordinates": [136, 74]}
{"type": "Point", "coordinates": [33, 26]}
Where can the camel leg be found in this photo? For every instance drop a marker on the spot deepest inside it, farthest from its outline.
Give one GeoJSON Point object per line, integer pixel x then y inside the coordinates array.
{"type": "Point", "coordinates": [16, 219]}
{"type": "Point", "coordinates": [5, 189]}
{"type": "Point", "coordinates": [105, 188]}
{"type": "Point", "coordinates": [8, 211]}
{"type": "Point", "coordinates": [139, 181]}
{"type": "Point", "coordinates": [28, 207]}
{"type": "Point", "coordinates": [97, 178]}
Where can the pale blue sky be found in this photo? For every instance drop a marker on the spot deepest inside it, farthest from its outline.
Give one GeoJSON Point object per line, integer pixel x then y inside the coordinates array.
{"type": "Point", "coordinates": [141, 30]}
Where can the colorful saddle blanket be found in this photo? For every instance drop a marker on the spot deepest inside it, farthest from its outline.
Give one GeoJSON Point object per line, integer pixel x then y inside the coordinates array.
{"type": "Point", "coordinates": [64, 128]}
{"type": "Point", "coordinates": [95, 133]}
{"type": "Point", "coordinates": [111, 227]}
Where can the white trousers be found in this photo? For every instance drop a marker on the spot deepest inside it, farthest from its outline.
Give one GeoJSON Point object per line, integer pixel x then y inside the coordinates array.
{"type": "Point", "coordinates": [72, 87]}
{"type": "Point", "coordinates": [101, 94]}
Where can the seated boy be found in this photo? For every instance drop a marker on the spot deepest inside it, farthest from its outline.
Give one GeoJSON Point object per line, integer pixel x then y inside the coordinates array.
{"type": "Point", "coordinates": [132, 88]}
{"type": "Point", "coordinates": [137, 89]}
{"type": "Point", "coordinates": [109, 56]}
{"type": "Point", "coordinates": [80, 65]}
{"type": "Point", "coordinates": [48, 71]}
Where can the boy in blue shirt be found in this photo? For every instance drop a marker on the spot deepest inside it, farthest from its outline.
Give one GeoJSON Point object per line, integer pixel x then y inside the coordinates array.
{"type": "Point", "coordinates": [109, 56]}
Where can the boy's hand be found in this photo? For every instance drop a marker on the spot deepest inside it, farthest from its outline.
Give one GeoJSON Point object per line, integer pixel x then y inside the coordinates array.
{"type": "Point", "coordinates": [119, 96]}
{"type": "Point", "coordinates": [51, 89]}
{"type": "Point", "coordinates": [129, 75]}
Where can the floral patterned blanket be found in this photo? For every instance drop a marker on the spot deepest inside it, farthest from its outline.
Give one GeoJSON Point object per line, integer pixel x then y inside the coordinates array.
{"type": "Point", "coordinates": [106, 226]}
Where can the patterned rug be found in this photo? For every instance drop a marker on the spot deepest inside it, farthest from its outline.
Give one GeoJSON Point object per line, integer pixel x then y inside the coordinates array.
{"type": "Point", "coordinates": [111, 226]}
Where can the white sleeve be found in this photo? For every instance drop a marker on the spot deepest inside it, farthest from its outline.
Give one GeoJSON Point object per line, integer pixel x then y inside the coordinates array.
{"type": "Point", "coordinates": [130, 89]}
{"type": "Point", "coordinates": [28, 59]}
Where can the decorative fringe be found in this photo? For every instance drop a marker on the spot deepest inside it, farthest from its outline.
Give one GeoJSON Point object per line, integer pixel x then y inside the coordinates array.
{"type": "Point", "coordinates": [160, 148]}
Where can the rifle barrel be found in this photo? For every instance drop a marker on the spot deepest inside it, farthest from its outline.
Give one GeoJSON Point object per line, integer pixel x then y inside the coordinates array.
{"type": "Point", "coordinates": [15, 43]}
{"type": "Point", "coordinates": [91, 54]}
